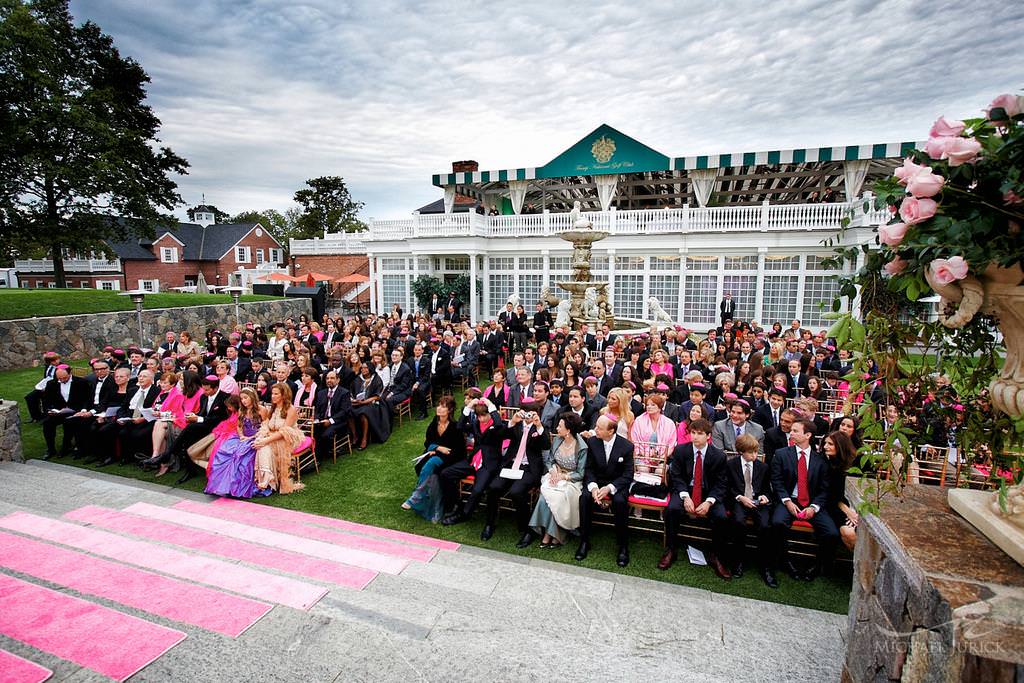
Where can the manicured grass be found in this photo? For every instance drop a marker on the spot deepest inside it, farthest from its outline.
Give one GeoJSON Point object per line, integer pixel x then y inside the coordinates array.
{"type": "Point", "coordinates": [370, 486]}
{"type": "Point", "coordinates": [28, 303]}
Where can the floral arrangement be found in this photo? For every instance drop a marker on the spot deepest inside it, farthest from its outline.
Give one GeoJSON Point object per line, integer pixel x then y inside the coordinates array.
{"type": "Point", "coordinates": [958, 204]}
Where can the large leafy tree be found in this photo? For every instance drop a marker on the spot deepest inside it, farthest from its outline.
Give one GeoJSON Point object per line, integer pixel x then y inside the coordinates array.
{"type": "Point", "coordinates": [327, 206]}
{"type": "Point", "coordinates": [78, 143]}
{"type": "Point", "coordinates": [283, 226]}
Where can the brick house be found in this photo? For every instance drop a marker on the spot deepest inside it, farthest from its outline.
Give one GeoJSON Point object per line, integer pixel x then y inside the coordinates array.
{"type": "Point", "coordinates": [173, 259]}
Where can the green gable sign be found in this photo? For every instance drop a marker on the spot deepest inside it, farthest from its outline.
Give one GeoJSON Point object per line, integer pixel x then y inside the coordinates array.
{"type": "Point", "coordinates": [603, 152]}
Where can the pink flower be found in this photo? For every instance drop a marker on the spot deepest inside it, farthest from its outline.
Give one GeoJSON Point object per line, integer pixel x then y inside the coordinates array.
{"type": "Point", "coordinates": [914, 211]}
{"type": "Point", "coordinates": [925, 184]}
{"type": "Point", "coordinates": [893, 233]}
{"type": "Point", "coordinates": [1011, 197]}
{"type": "Point", "coordinates": [907, 171]}
{"type": "Point", "coordinates": [944, 128]}
{"type": "Point", "coordinates": [938, 147]}
{"type": "Point", "coordinates": [963, 151]}
{"type": "Point", "coordinates": [896, 266]}
{"type": "Point", "coordinates": [946, 271]}
{"type": "Point", "coordinates": [1010, 103]}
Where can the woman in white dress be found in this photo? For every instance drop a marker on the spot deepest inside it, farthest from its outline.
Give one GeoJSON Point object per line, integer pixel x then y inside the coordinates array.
{"type": "Point", "coordinates": [558, 508]}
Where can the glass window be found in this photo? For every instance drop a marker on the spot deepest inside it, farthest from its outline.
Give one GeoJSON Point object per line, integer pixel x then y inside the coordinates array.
{"type": "Point", "coordinates": [392, 264]}
{"type": "Point", "coordinates": [741, 262]}
{"type": "Point", "coordinates": [628, 299]}
{"type": "Point", "coordinates": [424, 264]}
{"type": "Point", "coordinates": [458, 263]}
{"type": "Point", "coordinates": [599, 262]}
{"type": "Point", "coordinates": [699, 299]}
{"type": "Point", "coordinates": [629, 263]}
{"type": "Point", "coordinates": [500, 291]}
{"type": "Point", "coordinates": [190, 283]}
{"type": "Point", "coordinates": [529, 290]}
{"type": "Point", "coordinates": [242, 254]}
{"type": "Point", "coordinates": [392, 290]}
{"type": "Point", "coordinates": [666, 289]}
{"type": "Point", "coordinates": [107, 285]}
{"type": "Point", "coordinates": [51, 285]}
{"type": "Point", "coordinates": [502, 263]}
{"type": "Point", "coordinates": [531, 263]}
{"type": "Point", "coordinates": [665, 263]}
{"type": "Point", "coordinates": [779, 299]}
{"type": "Point", "coordinates": [168, 255]}
{"type": "Point", "coordinates": [259, 257]}
{"type": "Point", "coordinates": [818, 290]}
{"type": "Point", "coordinates": [558, 264]}
{"type": "Point", "coordinates": [744, 292]}
{"type": "Point", "coordinates": [701, 262]}
{"type": "Point", "coordinates": [781, 262]}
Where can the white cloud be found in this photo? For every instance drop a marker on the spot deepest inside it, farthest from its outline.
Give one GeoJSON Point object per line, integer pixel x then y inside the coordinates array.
{"type": "Point", "coordinates": [261, 95]}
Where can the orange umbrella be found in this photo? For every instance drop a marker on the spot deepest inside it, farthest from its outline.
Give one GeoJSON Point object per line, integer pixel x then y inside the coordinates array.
{"type": "Point", "coordinates": [281, 277]}
{"type": "Point", "coordinates": [354, 278]}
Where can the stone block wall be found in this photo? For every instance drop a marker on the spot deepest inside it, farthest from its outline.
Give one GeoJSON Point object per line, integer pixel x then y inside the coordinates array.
{"type": "Point", "coordinates": [83, 336]}
{"type": "Point", "coordinates": [10, 432]}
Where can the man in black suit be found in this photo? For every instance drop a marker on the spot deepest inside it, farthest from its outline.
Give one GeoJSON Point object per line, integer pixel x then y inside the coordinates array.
{"type": "Point", "coordinates": [239, 366]}
{"type": "Point", "coordinates": [79, 425]}
{"type": "Point", "coordinates": [697, 488]}
{"type": "Point", "coordinates": [401, 382]}
{"type": "Point", "coordinates": [577, 403]}
{"type": "Point", "coordinates": [522, 389]}
{"type": "Point", "coordinates": [522, 468]}
{"type": "Point", "coordinates": [777, 438]}
{"type": "Point", "coordinates": [481, 421]}
{"type": "Point", "coordinates": [419, 364]}
{"type": "Point", "coordinates": [435, 303]}
{"type": "Point", "coordinates": [769, 415]}
{"type": "Point", "coordinates": [455, 305]}
{"type": "Point", "coordinates": [749, 496]}
{"type": "Point", "coordinates": [63, 396]}
{"type": "Point", "coordinates": [612, 368]}
{"type": "Point", "coordinates": [727, 308]}
{"type": "Point", "coordinates": [796, 380]}
{"type": "Point", "coordinates": [800, 481]}
{"type": "Point", "coordinates": [604, 382]}
{"type": "Point", "coordinates": [33, 400]}
{"type": "Point", "coordinates": [490, 346]}
{"type": "Point", "coordinates": [606, 480]}
{"type": "Point", "coordinates": [333, 408]}
{"type": "Point", "coordinates": [584, 338]}
{"type": "Point", "coordinates": [210, 413]}
{"type": "Point", "coordinates": [440, 365]}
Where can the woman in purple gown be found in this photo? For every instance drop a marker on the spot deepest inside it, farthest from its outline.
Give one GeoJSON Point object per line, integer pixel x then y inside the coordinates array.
{"type": "Point", "coordinates": [233, 463]}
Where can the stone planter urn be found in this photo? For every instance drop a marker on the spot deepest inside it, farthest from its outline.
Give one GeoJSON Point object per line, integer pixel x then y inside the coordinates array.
{"type": "Point", "coordinates": [998, 292]}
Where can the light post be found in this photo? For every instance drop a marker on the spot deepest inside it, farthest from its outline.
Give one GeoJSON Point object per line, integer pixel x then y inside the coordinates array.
{"type": "Point", "coordinates": [137, 297]}
{"type": "Point", "coordinates": [236, 294]}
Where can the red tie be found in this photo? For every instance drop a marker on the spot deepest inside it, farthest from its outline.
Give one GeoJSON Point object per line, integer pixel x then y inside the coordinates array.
{"type": "Point", "coordinates": [802, 495]}
{"type": "Point", "coordinates": [791, 441]}
{"type": "Point", "coordinates": [698, 478]}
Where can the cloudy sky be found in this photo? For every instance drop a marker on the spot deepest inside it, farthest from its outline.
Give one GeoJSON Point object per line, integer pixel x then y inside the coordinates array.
{"type": "Point", "coordinates": [260, 95]}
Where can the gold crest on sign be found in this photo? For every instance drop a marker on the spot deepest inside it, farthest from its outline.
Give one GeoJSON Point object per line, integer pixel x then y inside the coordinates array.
{"type": "Point", "coordinates": [603, 149]}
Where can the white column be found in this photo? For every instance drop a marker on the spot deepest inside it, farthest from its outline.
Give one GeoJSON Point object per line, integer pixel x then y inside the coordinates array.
{"type": "Point", "coordinates": [611, 279]}
{"type": "Point", "coordinates": [646, 290]}
{"type": "Point", "coordinates": [801, 274]}
{"type": "Point", "coordinates": [546, 254]}
{"type": "Point", "coordinates": [719, 288]}
{"type": "Point", "coordinates": [487, 287]}
{"type": "Point", "coordinates": [415, 274]}
{"type": "Point", "coordinates": [682, 282]}
{"type": "Point", "coordinates": [373, 283]}
{"type": "Point", "coordinates": [473, 307]}
{"type": "Point", "coordinates": [759, 297]}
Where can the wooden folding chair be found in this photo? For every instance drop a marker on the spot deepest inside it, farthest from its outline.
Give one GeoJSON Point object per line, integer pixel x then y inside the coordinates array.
{"type": "Point", "coordinates": [935, 465]}
{"type": "Point", "coordinates": [305, 453]}
{"type": "Point", "coordinates": [507, 412]}
{"type": "Point", "coordinates": [404, 409]}
{"type": "Point", "coordinates": [650, 466]}
{"type": "Point", "coordinates": [341, 441]}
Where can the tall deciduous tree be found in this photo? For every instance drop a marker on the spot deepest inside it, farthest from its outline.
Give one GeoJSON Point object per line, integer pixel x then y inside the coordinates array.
{"type": "Point", "coordinates": [327, 206]}
{"type": "Point", "coordinates": [78, 143]}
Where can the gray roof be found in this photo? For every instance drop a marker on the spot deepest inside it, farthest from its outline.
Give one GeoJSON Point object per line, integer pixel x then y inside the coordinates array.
{"type": "Point", "coordinates": [438, 207]}
{"type": "Point", "coordinates": [201, 244]}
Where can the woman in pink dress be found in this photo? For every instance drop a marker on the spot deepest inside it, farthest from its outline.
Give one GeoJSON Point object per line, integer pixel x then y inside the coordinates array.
{"type": "Point", "coordinates": [661, 366]}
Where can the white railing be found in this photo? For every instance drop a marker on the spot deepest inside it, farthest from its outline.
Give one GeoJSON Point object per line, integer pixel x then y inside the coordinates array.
{"type": "Point", "coordinates": [70, 266]}
{"type": "Point", "coordinates": [760, 218]}
{"type": "Point", "coordinates": [332, 243]}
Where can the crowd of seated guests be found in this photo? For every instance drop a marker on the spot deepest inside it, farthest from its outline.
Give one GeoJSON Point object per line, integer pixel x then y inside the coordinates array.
{"type": "Point", "coordinates": [567, 418]}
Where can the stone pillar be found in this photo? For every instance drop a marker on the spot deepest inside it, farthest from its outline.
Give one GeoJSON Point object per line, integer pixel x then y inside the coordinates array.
{"type": "Point", "coordinates": [10, 432]}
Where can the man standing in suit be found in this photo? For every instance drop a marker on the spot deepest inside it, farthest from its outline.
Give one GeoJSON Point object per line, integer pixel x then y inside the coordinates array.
{"type": "Point", "coordinates": [435, 303]}
{"type": "Point", "coordinates": [420, 366]}
{"type": "Point", "coordinates": [440, 365]}
{"type": "Point", "coordinates": [63, 396]}
{"type": "Point", "coordinates": [727, 308]}
{"type": "Point", "coordinates": [454, 305]}
{"type": "Point", "coordinates": [521, 470]}
{"type": "Point", "coordinates": [333, 408]}
{"type": "Point", "coordinates": [800, 481]}
{"type": "Point", "coordinates": [606, 480]}
{"type": "Point", "coordinates": [34, 398]}
{"type": "Point", "coordinates": [749, 497]}
{"type": "Point", "coordinates": [727, 431]}
{"type": "Point", "coordinates": [697, 487]}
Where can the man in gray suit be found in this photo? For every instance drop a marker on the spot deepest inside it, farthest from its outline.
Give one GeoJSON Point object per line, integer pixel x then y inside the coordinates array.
{"type": "Point", "coordinates": [724, 433]}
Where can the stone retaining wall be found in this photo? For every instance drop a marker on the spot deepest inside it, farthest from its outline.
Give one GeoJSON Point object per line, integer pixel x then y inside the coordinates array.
{"type": "Point", "coordinates": [83, 336]}
{"type": "Point", "coordinates": [10, 432]}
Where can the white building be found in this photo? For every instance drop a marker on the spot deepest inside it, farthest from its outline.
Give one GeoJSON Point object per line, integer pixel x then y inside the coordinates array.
{"type": "Point", "coordinates": [685, 230]}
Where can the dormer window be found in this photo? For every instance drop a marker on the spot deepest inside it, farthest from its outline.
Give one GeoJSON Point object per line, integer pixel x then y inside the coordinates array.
{"type": "Point", "coordinates": [168, 255]}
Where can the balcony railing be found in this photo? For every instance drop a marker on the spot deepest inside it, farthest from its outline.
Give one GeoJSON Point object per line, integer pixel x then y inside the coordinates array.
{"type": "Point", "coordinates": [332, 243]}
{"type": "Point", "coordinates": [70, 266]}
{"type": "Point", "coordinates": [764, 218]}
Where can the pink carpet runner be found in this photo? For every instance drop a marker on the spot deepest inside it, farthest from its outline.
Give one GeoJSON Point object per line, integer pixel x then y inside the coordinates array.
{"type": "Point", "coordinates": [14, 669]}
{"type": "Point", "coordinates": [215, 544]}
{"type": "Point", "coordinates": [296, 517]}
{"type": "Point", "coordinates": [229, 576]}
{"type": "Point", "coordinates": [185, 602]}
{"type": "Point", "coordinates": [101, 639]}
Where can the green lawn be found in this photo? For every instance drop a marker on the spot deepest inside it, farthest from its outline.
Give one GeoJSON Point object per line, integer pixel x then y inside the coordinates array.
{"type": "Point", "coordinates": [370, 486]}
{"type": "Point", "coordinates": [28, 303]}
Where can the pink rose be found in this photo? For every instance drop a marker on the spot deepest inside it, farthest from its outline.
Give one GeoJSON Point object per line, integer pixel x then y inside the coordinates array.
{"type": "Point", "coordinates": [944, 128]}
{"type": "Point", "coordinates": [896, 266]}
{"type": "Point", "coordinates": [907, 171]}
{"type": "Point", "coordinates": [914, 211]}
{"type": "Point", "coordinates": [946, 271]}
{"type": "Point", "coordinates": [1011, 197]}
{"type": "Point", "coordinates": [937, 148]}
{"type": "Point", "coordinates": [963, 151]}
{"type": "Point", "coordinates": [1011, 103]}
{"type": "Point", "coordinates": [925, 184]}
{"type": "Point", "coordinates": [893, 233]}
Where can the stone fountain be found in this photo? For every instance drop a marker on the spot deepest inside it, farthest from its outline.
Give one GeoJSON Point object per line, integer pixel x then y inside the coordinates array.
{"type": "Point", "coordinates": [588, 299]}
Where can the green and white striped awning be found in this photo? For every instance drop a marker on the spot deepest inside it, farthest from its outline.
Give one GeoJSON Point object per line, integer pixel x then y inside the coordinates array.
{"type": "Point", "coordinates": [608, 151]}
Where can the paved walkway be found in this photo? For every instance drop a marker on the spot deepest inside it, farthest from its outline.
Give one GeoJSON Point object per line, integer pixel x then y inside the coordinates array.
{"type": "Point", "coordinates": [466, 614]}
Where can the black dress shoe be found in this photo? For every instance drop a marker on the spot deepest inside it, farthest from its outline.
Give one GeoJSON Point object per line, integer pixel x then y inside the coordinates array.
{"type": "Point", "coordinates": [108, 461]}
{"type": "Point", "coordinates": [623, 558]}
{"type": "Point", "coordinates": [582, 551]}
{"type": "Point", "coordinates": [454, 518]}
{"type": "Point", "coordinates": [76, 454]}
{"type": "Point", "coordinates": [812, 572]}
{"type": "Point", "coordinates": [185, 477]}
{"type": "Point", "coordinates": [769, 578]}
{"type": "Point", "coordinates": [487, 532]}
{"type": "Point", "coordinates": [49, 455]}
{"type": "Point", "coordinates": [737, 570]}
{"type": "Point", "coordinates": [525, 540]}
{"type": "Point", "coordinates": [793, 571]}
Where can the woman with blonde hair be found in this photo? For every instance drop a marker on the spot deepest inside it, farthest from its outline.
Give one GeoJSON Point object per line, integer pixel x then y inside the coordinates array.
{"type": "Point", "coordinates": [274, 443]}
{"type": "Point", "coordinates": [618, 407]}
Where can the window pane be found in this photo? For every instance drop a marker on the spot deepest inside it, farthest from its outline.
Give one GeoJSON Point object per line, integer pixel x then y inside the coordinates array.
{"type": "Point", "coordinates": [501, 263]}
{"type": "Point", "coordinates": [665, 263]}
{"type": "Point", "coordinates": [779, 262]}
{"type": "Point", "coordinates": [701, 262]}
{"type": "Point", "coordinates": [699, 301]}
{"type": "Point", "coordinates": [629, 263]}
{"type": "Point", "coordinates": [741, 262]}
{"type": "Point", "coordinates": [500, 291]}
{"type": "Point", "coordinates": [459, 263]}
{"type": "Point", "coordinates": [779, 299]}
{"type": "Point", "coordinates": [392, 264]}
{"type": "Point", "coordinates": [392, 290]}
{"type": "Point", "coordinates": [818, 289]}
{"type": "Point", "coordinates": [599, 262]}
{"type": "Point", "coordinates": [529, 291]}
{"type": "Point", "coordinates": [744, 293]}
{"type": "Point", "coordinates": [628, 298]}
{"type": "Point", "coordinates": [666, 289]}
{"type": "Point", "coordinates": [531, 263]}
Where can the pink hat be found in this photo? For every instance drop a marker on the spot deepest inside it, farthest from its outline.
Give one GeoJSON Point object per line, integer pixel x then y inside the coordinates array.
{"type": "Point", "coordinates": [213, 378]}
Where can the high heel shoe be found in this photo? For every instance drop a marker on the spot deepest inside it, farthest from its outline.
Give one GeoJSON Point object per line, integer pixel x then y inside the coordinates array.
{"type": "Point", "coordinates": [164, 469]}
